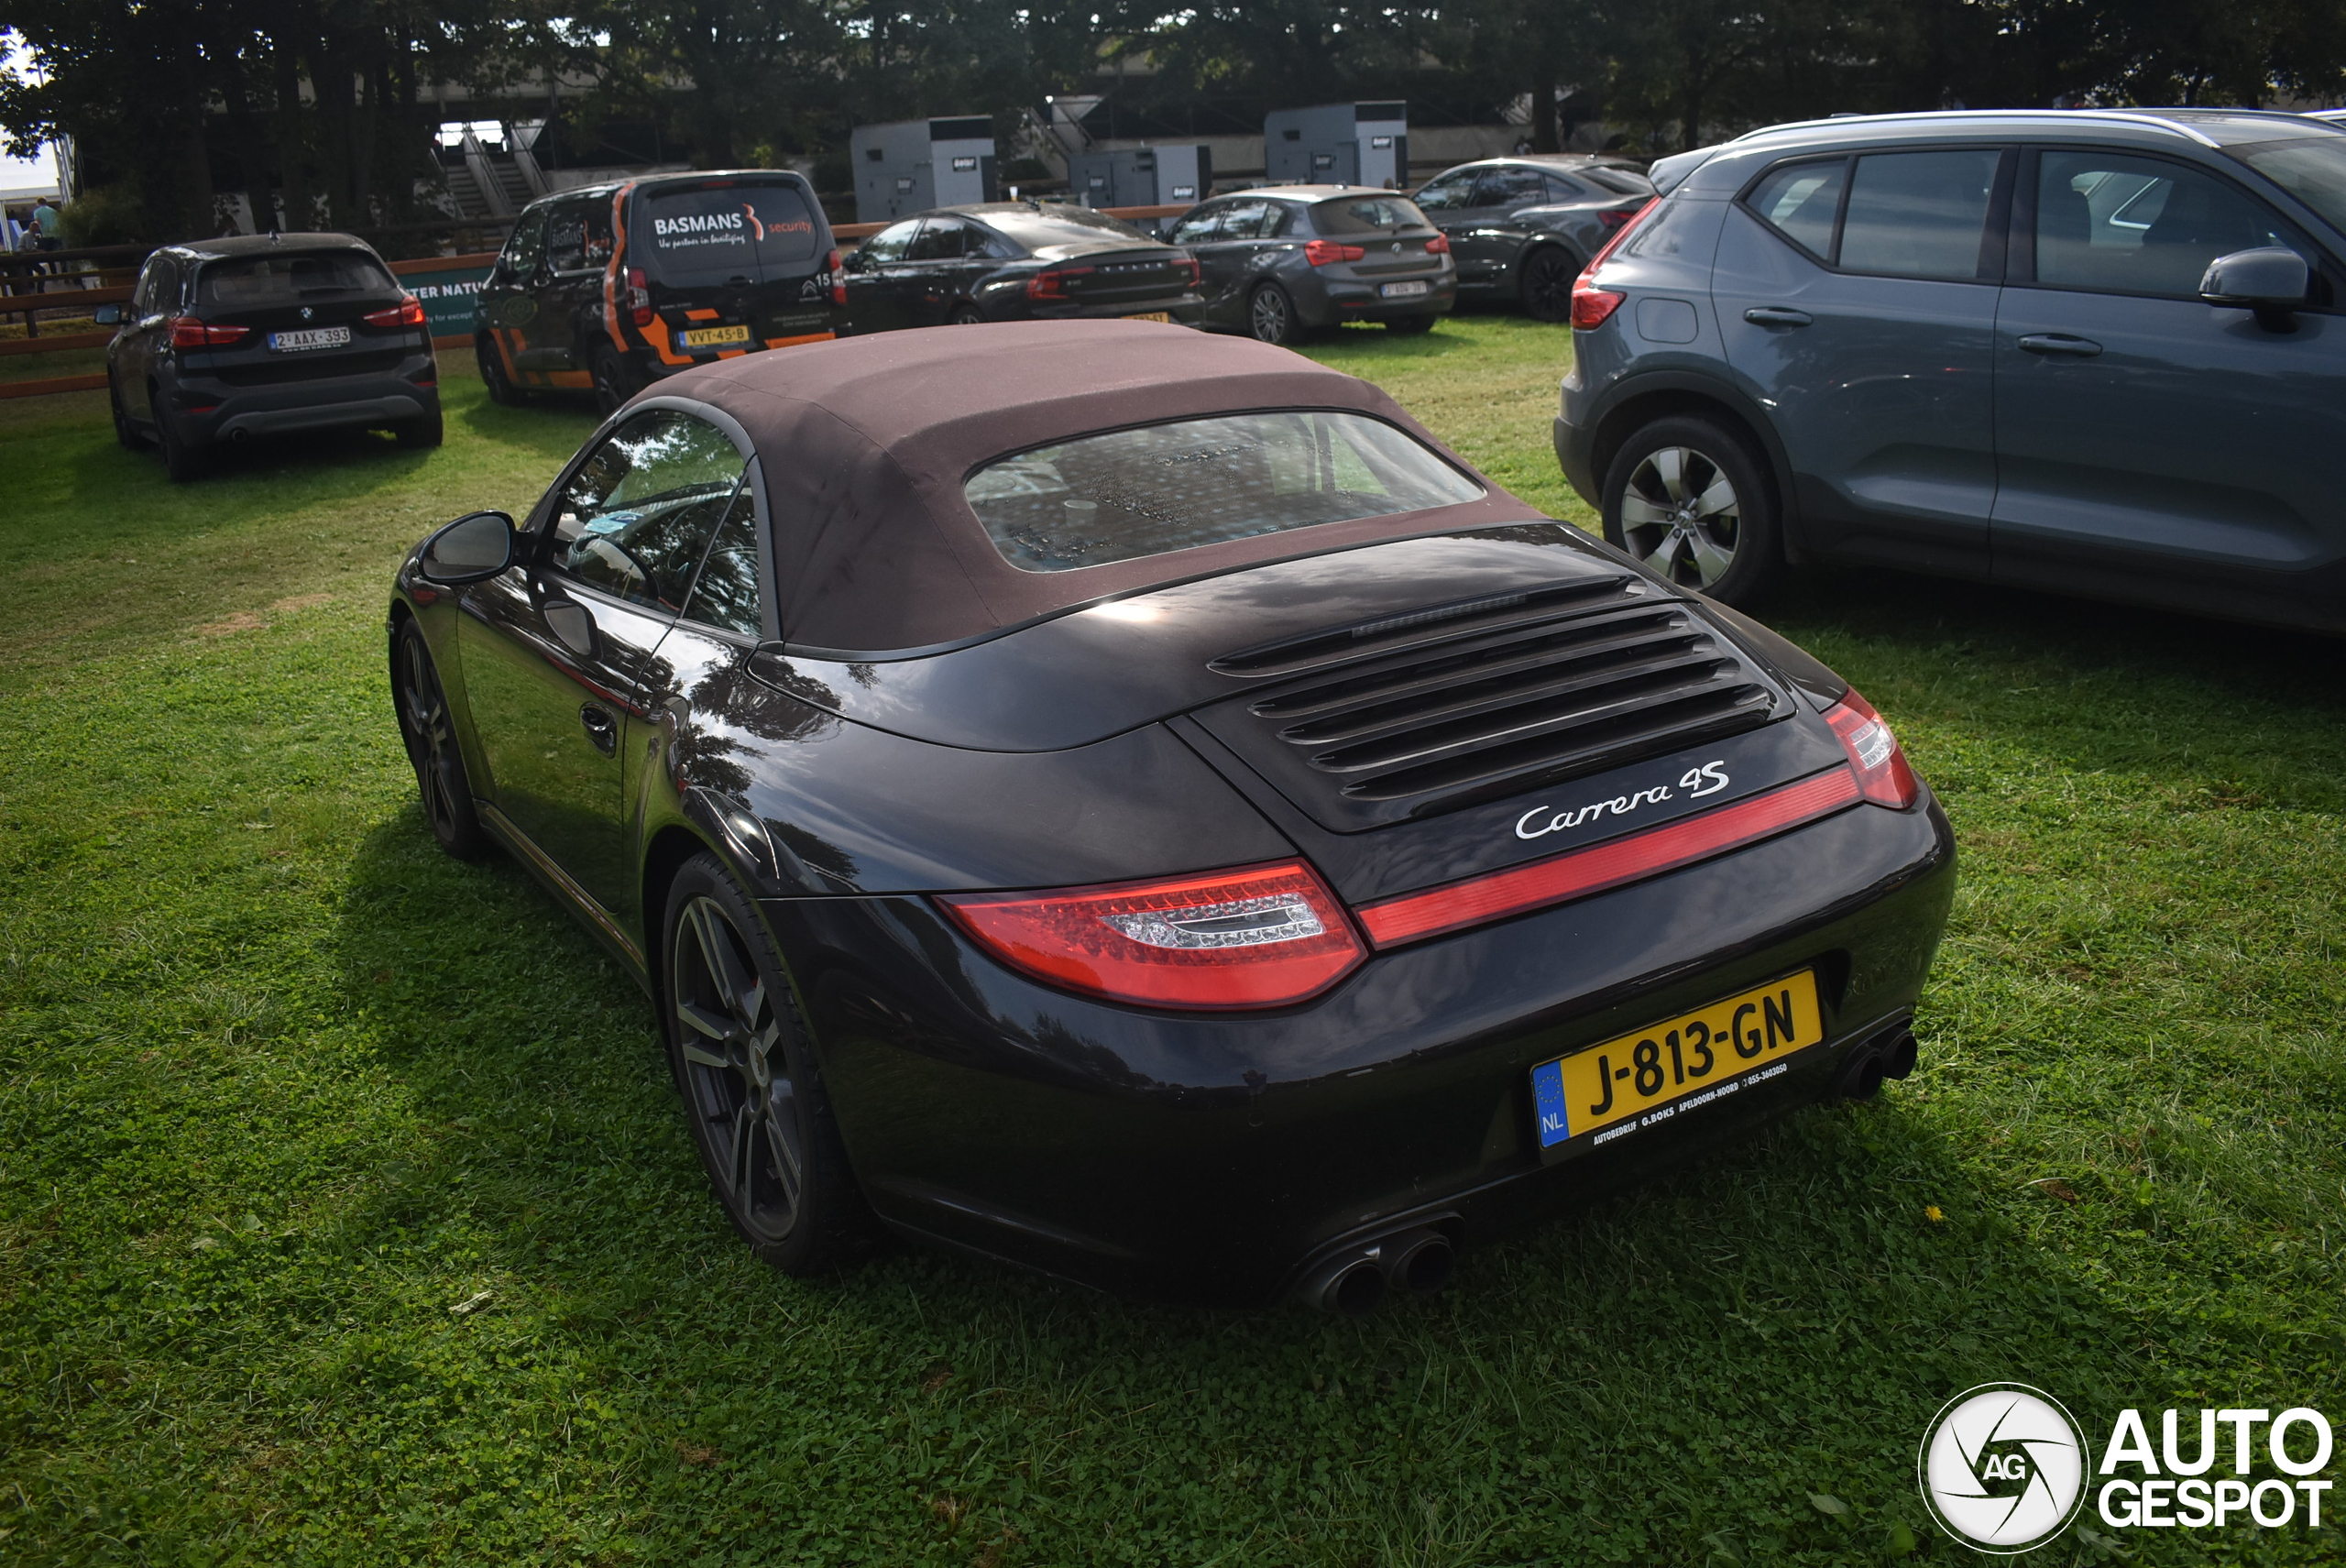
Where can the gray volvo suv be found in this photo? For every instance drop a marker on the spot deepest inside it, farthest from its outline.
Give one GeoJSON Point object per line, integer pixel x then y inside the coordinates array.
{"type": "Point", "coordinates": [2100, 352]}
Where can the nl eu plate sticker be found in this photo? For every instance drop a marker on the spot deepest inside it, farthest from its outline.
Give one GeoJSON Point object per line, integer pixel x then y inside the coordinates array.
{"type": "Point", "coordinates": [1548, 1093]}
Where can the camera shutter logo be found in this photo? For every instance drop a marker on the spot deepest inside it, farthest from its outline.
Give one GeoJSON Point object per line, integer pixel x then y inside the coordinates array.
{"type": "Point", "coordinates": [2003, 1467]}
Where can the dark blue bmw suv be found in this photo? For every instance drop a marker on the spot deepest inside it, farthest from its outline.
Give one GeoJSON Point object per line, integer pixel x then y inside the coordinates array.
{"type": "Point", "coordinates": [2099, 352]}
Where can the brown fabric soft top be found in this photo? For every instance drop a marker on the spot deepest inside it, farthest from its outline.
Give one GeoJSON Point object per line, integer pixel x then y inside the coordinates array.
{"type": "Point", "coordinates": [865, 444]}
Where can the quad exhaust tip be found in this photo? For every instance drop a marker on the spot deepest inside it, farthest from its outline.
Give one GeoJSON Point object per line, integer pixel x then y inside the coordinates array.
{"type": "Point", "coordinates": [1354, 1280]}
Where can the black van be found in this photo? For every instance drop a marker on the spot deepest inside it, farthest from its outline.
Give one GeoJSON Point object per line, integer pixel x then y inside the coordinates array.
{"type": "Point", "coordinates": [609, 287]}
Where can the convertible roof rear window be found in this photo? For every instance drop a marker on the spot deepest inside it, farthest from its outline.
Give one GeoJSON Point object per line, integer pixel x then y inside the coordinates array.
{"type": "Point", "coordinates": [1163, 488]}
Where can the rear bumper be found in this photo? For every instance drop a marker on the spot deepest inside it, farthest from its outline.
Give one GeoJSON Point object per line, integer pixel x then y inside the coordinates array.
{"type": "Point", "coordinates": [1324, 300]}
{"type": "Point", "coordinates": [1216, 1159]}
{"type": "Point", "coordinates": [1184, 310]}
{"type": "Point", "coordinates": [207, 410]}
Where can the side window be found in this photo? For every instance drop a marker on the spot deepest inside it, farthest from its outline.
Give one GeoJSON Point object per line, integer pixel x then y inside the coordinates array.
{"type": "Point", "coordinates": [1197, 226]}
{"type": "Point", "coordinates": [524, 248]}
{"type": "Point", "coordinates": [636, 518]}
{"type": "Point", "coordinates": [727, 595]}
{"type": "Point", "coordinates": [1509, 188]}
{"type": "Point", "coordinates": [1801, 201]}
{"type": "Point", "coordinates": [890, 244]}
{"type": "Point", "coordinates": [145, 299]}
{"type": "Point", "coordinates": [1563, 190]}
{"type": "Point", "coordinates": [1251, 220]}
{"type": "Point", "coordinates": [1919, 214]}
{"type": "Point", "coordinates": [1449, 194]}
{"type": "Point", "coordinates": [566, 238]}
{"type": "Point", "coordinates": [2138, 225]}
{"type": "Point", "coordinates": [940, 239]}
{"type": "Point", "coordinates": [596, 216]}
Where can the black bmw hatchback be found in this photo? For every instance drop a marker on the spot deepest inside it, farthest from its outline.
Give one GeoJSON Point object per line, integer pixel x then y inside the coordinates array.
{"type": "Point", "coordinates": [1132, 804]}
{"type": "Point", "coordinates": [999, 261]}
{"type": "Point", "coordinates": [1279, 263]}
{"type": "Point", "coordinates": [267, 335]}
{"type": "Point", "coordinates": [1523, 228]}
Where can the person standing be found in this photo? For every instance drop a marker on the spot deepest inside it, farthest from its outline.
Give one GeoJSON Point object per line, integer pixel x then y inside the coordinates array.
{"type": "Point", "coordinates": [47, 222]}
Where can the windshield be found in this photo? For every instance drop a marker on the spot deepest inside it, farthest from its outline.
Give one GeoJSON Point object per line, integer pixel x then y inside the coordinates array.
{"type": "Point", "coordinates": [707, 234]}
{"type": "Point", "coordinates": [2313, 171]}
{"type": "Point", "coordinates": [250, 280]}
{"type": "Point", "coordinates": [1174, 486]}
{"type": "Point", "coordinates": [1366, 215]}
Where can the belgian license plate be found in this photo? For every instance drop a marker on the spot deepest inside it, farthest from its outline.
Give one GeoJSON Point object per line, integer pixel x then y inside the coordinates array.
{"type": "Point", "coordinates": [309, 337]}
{"type": "Point", "coordinates": [713, 336]}
{"type": "Point", "coordinates": [1641, 1078]}
{"type": "Point", "coordinates": [1149, 316]}
{"type": "Point", "coordinates": [1404, 291]}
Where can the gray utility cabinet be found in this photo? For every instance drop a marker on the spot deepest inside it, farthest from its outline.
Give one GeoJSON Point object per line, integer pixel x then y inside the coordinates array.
{"type": "Point", "coordinates": [1142, 176]}
{"type": "Point", "coordinates": [910, 166]}
{"type": "Point", "coordinates": [1338, 144]}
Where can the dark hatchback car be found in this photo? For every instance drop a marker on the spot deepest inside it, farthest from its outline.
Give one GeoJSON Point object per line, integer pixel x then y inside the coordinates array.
{"type": "Point", "coordinates": [1279, 263]}
{"type": "Point", "coordinates": [998, 261]}
{"type": "Point", "coordinates": [1131, 803]}
{"type": "Point", "coordinates": [224, 339]}
{"type": "Point", "coordinates": [2088, 351]}
{"type": "Point", "coordinates": [610, 287]}
{"type": "Point", "coordinates": [1523, 228]}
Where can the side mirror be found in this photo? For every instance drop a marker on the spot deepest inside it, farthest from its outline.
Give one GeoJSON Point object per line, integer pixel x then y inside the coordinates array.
{"type": "Point", "coordinates": [2271, 281]}
{"type": "Point", "coordinates": [108, 315]}
{"type": "Point", "coordinates": [475, 546]}
{"type": "Point", "coordinates": [857, 261]}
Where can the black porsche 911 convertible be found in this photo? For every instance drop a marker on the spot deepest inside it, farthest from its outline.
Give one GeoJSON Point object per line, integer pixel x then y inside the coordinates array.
{"type": "Point", "coordinates": [1132, 804]}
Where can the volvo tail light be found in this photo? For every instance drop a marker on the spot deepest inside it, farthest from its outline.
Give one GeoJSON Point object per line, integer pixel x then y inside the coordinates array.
{"type": "Point", "coordinates": [1051, 282]}
{"type": "Point", "coordinates": [1438, 245]}
{"type": "Point", "coordinates": [837, 268]}
{"type": "Point", "coordinates": [1190, 270]}
{"type": "Point", "coordinates": [189, 333]}
{"type": "Point", "coordinates": [1615, 218]}
{"type": "Point", "coordinates": [1320, 252]}
{"type": "Point", "coordinates": [1593, 306]}
{"type": "Point", "coordinates": [1265, 936]}
{"type": "Point", "coordinates": [639, 297]}
{"type": "Point", "coordinates": [1884, 773]}
{"type": "Point", "coordinates": [408, 311]}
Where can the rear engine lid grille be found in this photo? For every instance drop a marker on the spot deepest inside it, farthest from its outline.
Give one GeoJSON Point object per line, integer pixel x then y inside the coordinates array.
{"type": "Point", "coordinates": [1484, 700]}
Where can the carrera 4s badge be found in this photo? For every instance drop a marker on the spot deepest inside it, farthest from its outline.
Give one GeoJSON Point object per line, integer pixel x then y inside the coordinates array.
{"type": "Point", "coordinates": [1708, 779]}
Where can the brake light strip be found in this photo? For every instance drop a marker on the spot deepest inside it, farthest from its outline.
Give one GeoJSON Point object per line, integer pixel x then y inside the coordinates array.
{"type": "Point", "coordinates": [1576, 873]}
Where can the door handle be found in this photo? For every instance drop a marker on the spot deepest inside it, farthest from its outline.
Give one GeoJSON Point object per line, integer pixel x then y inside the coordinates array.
{"type": "Point", "coordinates": [601, 729]}
{"type": "Point", "coordinates": [2060, 342]}
{"type": "Point", "coordinates": [1777, 315]}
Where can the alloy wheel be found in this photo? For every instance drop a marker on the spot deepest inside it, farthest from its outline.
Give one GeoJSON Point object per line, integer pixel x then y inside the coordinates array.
{"type": "Point", "coordinates": [432, 739]}
{"type": "Point", "coordinates": [737, 1074]}
{"type": "Point", "coordinates": [1680, 516]}
{"type": "Point", "coordinates": [1270, 316]}
{"type": "Point", "coordinates": [1546, 284]}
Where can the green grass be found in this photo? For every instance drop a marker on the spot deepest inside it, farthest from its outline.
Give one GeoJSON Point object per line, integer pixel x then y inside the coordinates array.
{"type": "Point", "coordinates": [280, 1087]}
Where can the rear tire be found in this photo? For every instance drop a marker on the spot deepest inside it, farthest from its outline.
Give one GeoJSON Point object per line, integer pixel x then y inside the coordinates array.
{"type": "Point", "coordinates": [615, 381]}
{"type": "Point", "coordinates": [183, 460]}
{"type": "Point", "coordinates": [132, 438]}
{"type": "Point", "coordinates": [1271, 318]}
{"type": "Point", "coordinates": [966, 315]}
{"type": "Point", "coordinates": [425, 431]}
{"type": "Point", "coordinates": [750, 1088]}
{"type": "Point", "coordinates": [501, 389]}
{"type": "Point", "coordinates": [1689, 498]}
{"type": "Point", "coordinates": [1543, 282]}
{"type": "Point", "coordinates": [430, 732]}
{"type": "Point", "coordinates": [1410, 326]}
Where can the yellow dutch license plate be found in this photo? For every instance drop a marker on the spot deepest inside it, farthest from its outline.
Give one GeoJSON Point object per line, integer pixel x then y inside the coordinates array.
{"type": "Point", "coordinates": [1638, 1079]}
{"type": "Point", "coordinates": [715, 336]}
{"type": "Point", "coordinates": [1149, 316]}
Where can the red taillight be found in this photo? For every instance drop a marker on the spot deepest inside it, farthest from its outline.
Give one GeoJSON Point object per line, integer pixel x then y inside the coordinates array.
{"type": "Point", "coordinates": [1190, 269]}
{"type": "Point", "coordinates": [189, 333]}
{"type": "Point", "coordinates": [838, 271]}
{"type": "Point", "coordinates": [1051, 283]}
{"type": "Point", "coordinates": [639, 297]}
{"type": "Point", "coordinates": [1615, 218]}
{"type": "Point", "coordinates": [1256, 937]}
{"type": "Point", "coordinates": [1593, 306]}
{"type": "Point", "coordinates": [1880, 761]}
{"type": "Point", "coordinates": [1320, 252]}
{"type": "Point", "coordinates": [408, 311]}
{"type": "Point", "coordinates": [1576, 873]}
{"type": "Point", "coordinates": [1438, 245]}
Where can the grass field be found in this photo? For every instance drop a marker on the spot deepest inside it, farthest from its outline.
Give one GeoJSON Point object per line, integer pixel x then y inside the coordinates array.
{"type": "Point", "coordinates": [346, 1214]}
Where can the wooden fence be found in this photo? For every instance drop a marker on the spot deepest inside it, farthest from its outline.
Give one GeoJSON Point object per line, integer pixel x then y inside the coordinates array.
{"type": "Point", "coordinates": [111, 271]}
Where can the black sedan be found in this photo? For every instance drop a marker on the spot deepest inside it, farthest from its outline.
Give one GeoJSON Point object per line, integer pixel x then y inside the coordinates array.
{"type": "Point", "coordinates": [998, 261]}
{"type": "Point", "coordinates": [225, 339]}
{"type": "Point", "coordinates": [1523, 228]}
{"type": "Point", "coordinates": [1131, 803]}
{"type": "Point", "coordinates": [1282, 262]}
